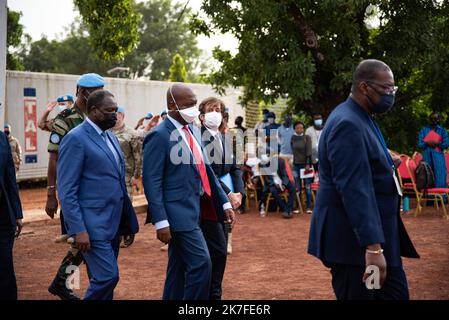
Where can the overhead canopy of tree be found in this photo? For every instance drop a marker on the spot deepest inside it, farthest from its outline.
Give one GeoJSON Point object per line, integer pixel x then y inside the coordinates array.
{"type": "Point", "coordinates": [177, 70]}
{"type": "Point", "coordinates": [112, 26]}
{"type": "Point", "coordinates": [164, 31]}
{"type": "Point", "coordinates": [161, 37]}
{"type": "Point", "coordinates": [306, 51]}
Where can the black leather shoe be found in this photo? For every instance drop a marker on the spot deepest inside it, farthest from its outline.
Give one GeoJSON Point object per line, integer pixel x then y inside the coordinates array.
{"type": "Point", "coordinates": [60, 290]}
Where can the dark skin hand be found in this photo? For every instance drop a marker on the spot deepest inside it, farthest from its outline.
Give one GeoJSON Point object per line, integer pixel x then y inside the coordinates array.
{"type": "Point", "coordinates": [19, 227]}
{"type": "Point", "coordinates": [82, 241]}
{"type": "Point", "coordinates": [52, 202]}
{"type": "Point", "coordinates": [376, 260]}
{"type": "Point", "coordinates": [230, 217]}
{"type": "Point", "coordinates": [164, 235]}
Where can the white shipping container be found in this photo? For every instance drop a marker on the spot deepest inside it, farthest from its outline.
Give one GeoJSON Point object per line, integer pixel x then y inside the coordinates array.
{"type": "Point", "coordinates": [136, 96]}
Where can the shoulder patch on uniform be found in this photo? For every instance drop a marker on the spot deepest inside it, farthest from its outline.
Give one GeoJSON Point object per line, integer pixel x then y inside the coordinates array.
{"type": "Point", "coordinates": [55, 138]}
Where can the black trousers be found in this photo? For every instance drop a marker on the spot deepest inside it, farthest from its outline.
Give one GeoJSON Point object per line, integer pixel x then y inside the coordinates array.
{"type": "Point", "coordinates": [348, 285]}
{"type": "Point", "coordinates": [216, 240]}
{"type": "Point", "coordinates": [8, 286]}
{"type": "Point", "coordinates": [61, 218]}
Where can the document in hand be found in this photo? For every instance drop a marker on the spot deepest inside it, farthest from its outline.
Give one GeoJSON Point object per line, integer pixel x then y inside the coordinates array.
{"type": "Point", "coordinates": [433, 136]}
{"type": "Point", "coordinates": [307, 174]}
{"type": "Point", "coordinates": [227, 180]}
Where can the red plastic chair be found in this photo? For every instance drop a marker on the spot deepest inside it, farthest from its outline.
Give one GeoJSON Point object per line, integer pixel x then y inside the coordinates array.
{"type": "Point", "coordinates": [435, 194]}
{"type": "Point", "coordinates": [417, 157]}
{"type": "Point", "coordinates": [404, 177]}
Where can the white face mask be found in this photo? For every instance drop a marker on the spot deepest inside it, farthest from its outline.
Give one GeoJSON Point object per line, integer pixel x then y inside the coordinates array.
{"type": "Point", "coordinates": [212, 120]}
{"type": "Point", "coordinates": [188, 114]}
{"type": "Point", "coordinates": [61, 107]}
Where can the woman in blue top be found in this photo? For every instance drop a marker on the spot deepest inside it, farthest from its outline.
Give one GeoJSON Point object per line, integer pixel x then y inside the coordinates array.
{"type": "Point", "coordinates": [433, 149]}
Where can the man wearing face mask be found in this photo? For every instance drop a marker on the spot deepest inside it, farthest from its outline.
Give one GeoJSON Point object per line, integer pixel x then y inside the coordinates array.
{"type": "Point", "coordinates": [219, 153]}
{"type": "Point", "coordinates": [182, 190]}
{"type": "Point", "coordinates": [356, 228]}
{"type": "Point", "coordinates": [314, 132]}
{"type": "Point", "coordinates": [61, 103]}
{"type": "Point", "coordinates": [285, 133]}
{"type": "Point", "coordinates": [433, 140]}
{"type": "Point", "coordinates": [64, 122]}
{"type": "Point", "coordinates": [16, 150]}
{"type": "Point", "coordinates": [271, 133]}
{"type": "Point", "coordinates": [92, 190]}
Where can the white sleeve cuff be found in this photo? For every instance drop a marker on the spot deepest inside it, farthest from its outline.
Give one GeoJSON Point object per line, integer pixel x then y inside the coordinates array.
{"type": "Point", "coordinates": [161, 224]}
{"type": "Point", "coordinates": [227, 206]}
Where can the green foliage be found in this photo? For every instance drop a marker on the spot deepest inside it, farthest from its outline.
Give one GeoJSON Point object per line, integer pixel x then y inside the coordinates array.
{"type": "Point", "coordinates": [161, 37]}
{"type": "Point", "coordinates": [274, 60]}
{"type": "Point", "coordinates": [14, 33]}
{"type": "Point", "coordinates": [164, 31]}
{"type": "Point", "coordinates": [177, 70]}
{"type": "Point", "coordinates": [112, 26]}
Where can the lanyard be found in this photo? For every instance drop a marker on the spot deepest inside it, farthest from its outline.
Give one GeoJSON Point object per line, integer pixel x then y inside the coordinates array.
{"type": "Point", "coordinates": [382, 142]}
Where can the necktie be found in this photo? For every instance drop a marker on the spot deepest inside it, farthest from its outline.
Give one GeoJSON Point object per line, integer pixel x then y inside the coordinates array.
{"type": "Point", "coordinates": [198, 160]}
{"type": "Point", "coordinates": [111, 147]}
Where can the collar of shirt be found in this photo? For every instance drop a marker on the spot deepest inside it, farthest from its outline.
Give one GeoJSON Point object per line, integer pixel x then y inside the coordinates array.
{"type": "Point", "coordinates": [212, 132]}
{"type": "Point", "coordinates": [97, 128]}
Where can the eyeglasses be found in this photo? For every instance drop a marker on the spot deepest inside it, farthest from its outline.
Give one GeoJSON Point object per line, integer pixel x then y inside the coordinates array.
{"type": "Point", "coordinates": [387, 89]}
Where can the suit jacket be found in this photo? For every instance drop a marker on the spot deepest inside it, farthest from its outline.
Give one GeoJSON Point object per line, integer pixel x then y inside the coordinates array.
{"type": "Point", "coordinates": [171, 179]}
{"type": "Point", "coordinates": [91, 186]}
{"type": "Point", "coordinates": [278, 163]}
{"type": "Point", "coordinates": [357, 202]}
{"type": "Point", "coordinates": [222, 161]}
{"type": "Point", "coordinates": [8, 185]}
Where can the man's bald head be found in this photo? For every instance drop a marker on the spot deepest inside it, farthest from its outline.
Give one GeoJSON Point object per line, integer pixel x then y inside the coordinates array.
{"type": "Point", "coordinates": [179, 92]}
{"type": "Point", "coordinates": [368, 70]}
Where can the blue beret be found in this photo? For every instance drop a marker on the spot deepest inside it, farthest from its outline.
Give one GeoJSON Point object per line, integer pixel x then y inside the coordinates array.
{"type": "Point", "coordinates": [121, 109]}
{"type": "Point", "coordinates": [7, 126]}
{"type": "Point", "coordinates": [149, 115]}
{"type": "Point", "coordinates": [90, 80]}
{"type": "Point", "coordinates": [67, 97]}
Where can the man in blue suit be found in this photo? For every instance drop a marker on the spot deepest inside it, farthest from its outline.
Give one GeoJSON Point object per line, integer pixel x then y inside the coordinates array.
{"type": "Point", "coordinates": [10, 220]}
{"type": "Point", "coordinates": [179, 185]}
{"type": "Point", "coordinates": [92, 192]}
{"type": "Point", "coordinates": [356, 226]}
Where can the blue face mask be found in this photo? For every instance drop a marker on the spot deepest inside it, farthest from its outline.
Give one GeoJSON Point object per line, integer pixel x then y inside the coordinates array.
{"type": "Point", "coordinates": [318, 122]}
{"type": "Point", "coordinates": [385, 103]}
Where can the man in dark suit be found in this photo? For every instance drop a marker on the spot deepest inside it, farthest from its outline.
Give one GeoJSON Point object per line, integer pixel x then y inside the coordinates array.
{"type": "Point", "coordinates": [177, 183]}
{"type": "Point", "coordinates": [356, 226]}
{"type": "Point", "coordinates": [93, 195]}
{"type": "Point", "coordinates": [219, 154]}
{"type": "Point", "coordinates": [10, 220]}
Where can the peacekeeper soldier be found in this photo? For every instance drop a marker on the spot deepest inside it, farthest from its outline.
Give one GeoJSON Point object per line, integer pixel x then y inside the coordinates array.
{"type": "Point", "coordinates": [15, 147]}
{"type": "Point", "coordinates": [131, 145]}
{"type": "Point", "coordinates": [65, 121]}
{"type": "Point", "coordinates": [62, 103]}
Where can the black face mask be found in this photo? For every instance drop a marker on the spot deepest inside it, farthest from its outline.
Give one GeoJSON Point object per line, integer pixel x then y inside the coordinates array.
{"type": "Point", "coordinates": [109, 120]}
{"type": "Point", "coordinates": [434, 122]}
{"type": "Point", "coordinates": [7, 133]}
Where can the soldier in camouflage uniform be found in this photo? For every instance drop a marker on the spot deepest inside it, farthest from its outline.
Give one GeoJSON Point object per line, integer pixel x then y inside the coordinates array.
{"type": "Point", "coordinates": [15, 147]}
{"type": "Point", "coordinates": [131, 145]}
{"type": "Point", "coordinates": [65, 121]}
